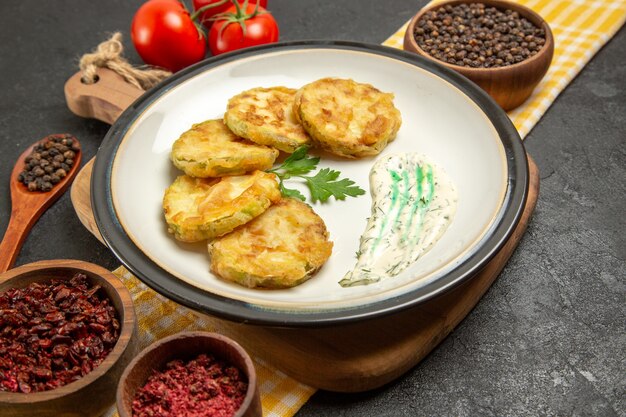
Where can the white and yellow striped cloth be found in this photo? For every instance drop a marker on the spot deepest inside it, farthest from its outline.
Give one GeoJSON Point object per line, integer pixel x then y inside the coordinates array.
{"type": "Point", "coordinates": [580, 28]}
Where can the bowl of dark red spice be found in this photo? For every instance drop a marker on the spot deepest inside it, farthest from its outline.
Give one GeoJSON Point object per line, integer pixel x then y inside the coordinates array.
{"type": "Point", "coordinates": [504, 47]}
{"type": "Point", "coordinates": [198, 374]}
{"type": "Point", "coordinates": [67, 332]}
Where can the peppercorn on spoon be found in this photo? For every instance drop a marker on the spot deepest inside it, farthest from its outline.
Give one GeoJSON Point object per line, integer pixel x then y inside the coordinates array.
{"type": "Point", "coordinates": [27, 206]}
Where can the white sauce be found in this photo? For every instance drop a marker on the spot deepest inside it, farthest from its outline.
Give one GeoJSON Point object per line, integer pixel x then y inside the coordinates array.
{"type": "Point", "coordinates": [413, 203]}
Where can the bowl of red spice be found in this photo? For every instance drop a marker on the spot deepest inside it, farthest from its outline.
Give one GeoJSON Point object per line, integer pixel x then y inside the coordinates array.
{"type": "Point", "coordinates": [504, 47]}
{"type": "Point", "coordinates": [67, 332]}
{"type": "Point", "coordinates": [201, 374]}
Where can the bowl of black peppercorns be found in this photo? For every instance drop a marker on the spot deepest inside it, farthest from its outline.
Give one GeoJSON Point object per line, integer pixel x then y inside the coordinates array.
{"type": "Point", "coordinates": [503, 47]}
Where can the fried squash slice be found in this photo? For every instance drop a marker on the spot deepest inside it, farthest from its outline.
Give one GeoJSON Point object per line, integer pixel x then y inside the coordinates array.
{"type": "Point", "coordinates": [265, 116]}
{"type": "Point", "coordinates": [281, 248]}
{"type": "Point", "coordinates": [210, 149]}
{"type": "Point", "coordinates": [347, 118]}
{"type": "Point", "coordinates": [197, 208]}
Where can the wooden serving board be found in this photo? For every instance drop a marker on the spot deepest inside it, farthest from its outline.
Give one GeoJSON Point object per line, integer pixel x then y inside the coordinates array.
{"type": "Point", "coordinates": [348, 358]}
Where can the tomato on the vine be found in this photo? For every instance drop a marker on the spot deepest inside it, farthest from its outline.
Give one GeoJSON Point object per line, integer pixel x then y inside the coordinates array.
{"type": "Point", "coordinates": [241, 27]}
{"type": "Point", "coordinates": [165, 35]}
{"type": "Point", "coordinates": [218, 6]}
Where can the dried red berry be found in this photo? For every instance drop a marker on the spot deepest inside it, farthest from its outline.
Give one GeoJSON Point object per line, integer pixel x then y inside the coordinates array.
{"type": "Point", "coordinates": [54, 333]}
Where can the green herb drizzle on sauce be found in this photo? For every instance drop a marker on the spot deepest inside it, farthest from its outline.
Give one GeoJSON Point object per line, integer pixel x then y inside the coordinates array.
{"type": "Point", "coordinates": [413, 204]}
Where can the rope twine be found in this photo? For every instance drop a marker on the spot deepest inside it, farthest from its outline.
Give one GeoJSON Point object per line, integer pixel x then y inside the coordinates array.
{"type": "Point", "coordinates": [109, 55]}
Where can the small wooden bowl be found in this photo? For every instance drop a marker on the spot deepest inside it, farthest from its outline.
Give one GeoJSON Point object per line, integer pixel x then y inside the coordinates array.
{"type": "Point", "coordinates": [93, 394]}
{"type": "Point", "coordinates": [186, 346]}
{"type": "Point", "coordinates": [508, 86]}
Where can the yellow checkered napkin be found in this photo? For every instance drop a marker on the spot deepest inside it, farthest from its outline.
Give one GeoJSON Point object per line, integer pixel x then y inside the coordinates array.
{"type": "Point", "coordinates": [159, 317]}
{"type": "Point", "coordinates": [580, 28]}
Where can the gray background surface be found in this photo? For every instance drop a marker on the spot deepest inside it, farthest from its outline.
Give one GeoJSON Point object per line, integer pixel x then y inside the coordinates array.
{"type": "Point", "coordinates": [547, 339]}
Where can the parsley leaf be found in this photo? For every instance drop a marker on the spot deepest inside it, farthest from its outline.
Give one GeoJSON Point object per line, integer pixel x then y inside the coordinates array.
{"type": "Point", "coordinates": [289, 192]}
{"type": "Point", "coordinates": [324, 184]}
{"type": "Point", "coordinates": [296, 164]}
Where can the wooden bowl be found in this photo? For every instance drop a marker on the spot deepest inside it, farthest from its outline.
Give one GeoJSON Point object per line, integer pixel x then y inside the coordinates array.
{"type": "Point", "coordinates": [93, 394]}
{"type": "Point", "coordinates": [509, 86]}
{"type": "Point", "coordinates": [186, 346]}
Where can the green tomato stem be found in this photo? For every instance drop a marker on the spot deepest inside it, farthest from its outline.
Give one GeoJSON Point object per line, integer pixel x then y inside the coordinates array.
{"type": "Point", "coordinates": [240, 16]}
{"type": "Point", "coordinates": [194, 16]}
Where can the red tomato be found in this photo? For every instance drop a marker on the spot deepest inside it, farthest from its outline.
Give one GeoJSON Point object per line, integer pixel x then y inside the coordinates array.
{"type": "Point", "coordinates": [227, 34]}
{"type": "Point", "coordinates": [165, 36]}
{"type": "Point", "coordinates": [220, 8]}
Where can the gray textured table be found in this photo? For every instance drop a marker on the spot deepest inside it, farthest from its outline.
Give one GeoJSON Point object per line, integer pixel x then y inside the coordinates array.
{"type": "Point", "coordinates": [549, 338]}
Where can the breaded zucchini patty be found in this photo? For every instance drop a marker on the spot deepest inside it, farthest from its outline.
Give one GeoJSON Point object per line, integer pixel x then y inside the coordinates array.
{"type": "Point", "coordinates": [197, 208]}
{"type": "Point", "coordinates": [265, 116]}
{"type": "Point", "coordinates": [347, 118]}
{"type": "Point", "coordinates": [210, 149]}
{"type": "Point", "coordinates": [281, 248]}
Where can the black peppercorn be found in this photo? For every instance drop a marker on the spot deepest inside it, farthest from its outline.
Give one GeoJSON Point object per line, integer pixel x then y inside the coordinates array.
{"type": "Point", "coordinates": [490, 37]}
{"type": "Point", "coordinates": [48, 162]}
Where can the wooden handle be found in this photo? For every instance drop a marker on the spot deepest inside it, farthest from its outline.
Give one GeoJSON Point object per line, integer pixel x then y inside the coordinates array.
{"type": "Point", "coordinates": [19, 226]}
{"type": "Point", "coordinates": [104, 100]}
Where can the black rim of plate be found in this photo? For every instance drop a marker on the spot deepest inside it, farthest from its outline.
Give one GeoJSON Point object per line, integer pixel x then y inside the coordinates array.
{"type": "Point", "coordinates": [188, 295]}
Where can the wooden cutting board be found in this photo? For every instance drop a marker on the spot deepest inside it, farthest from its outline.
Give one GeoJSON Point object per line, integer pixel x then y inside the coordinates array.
{"type": "Point", "coordinates": [348, 358]}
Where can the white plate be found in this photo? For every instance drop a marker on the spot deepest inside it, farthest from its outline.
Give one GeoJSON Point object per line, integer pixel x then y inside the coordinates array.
{"type": "Point", "coordinates": [444, 117]}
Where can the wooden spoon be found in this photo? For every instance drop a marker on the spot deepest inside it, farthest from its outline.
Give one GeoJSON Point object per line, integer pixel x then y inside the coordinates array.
{"type": "Point", "coordinates": [28, 206]}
